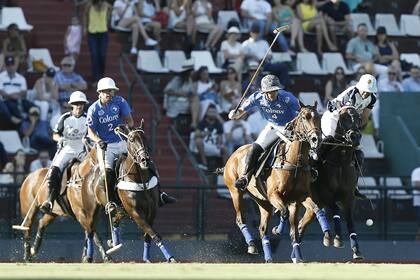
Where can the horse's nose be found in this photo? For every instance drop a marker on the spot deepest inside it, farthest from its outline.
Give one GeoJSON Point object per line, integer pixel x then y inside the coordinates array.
{"type": "Point", "coordinates": [355, 138]}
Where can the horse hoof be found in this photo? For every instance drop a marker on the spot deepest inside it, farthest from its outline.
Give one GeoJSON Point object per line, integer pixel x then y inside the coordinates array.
{"type": "Point", "coordinates": [32, 251]}
{"type": "Point", "coordinates": [172, 260]}
{"type": "Point", "coordinates": [327, 241]}
{"type": "Point", "coordinates": [269, 261]}
{"type": "Point", "coordinates": [252, 249]}
{"type": "Point", "coordinates": [338, 243]}
{"type": "Point", "coordinates": [295, 260]}
{"type": "Point", "coordinates": [275, 230]}
{"type": "Point", "coordinates": [109, 243]}
{"type": "Point", "coordinates": [107, 259]}
{"type": "Point", "coordinates": [357, 256]}
{"type": "Point", "coordinates": [87, 260]}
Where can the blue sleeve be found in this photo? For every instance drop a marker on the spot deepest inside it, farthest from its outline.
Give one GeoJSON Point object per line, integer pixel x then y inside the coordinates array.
{"type": "Point", "coordinates": [293, 102]}
{"type": "Point", "coordinates": [249, 103]}
{"type": "Point", "coordinates": [91, 118]}
{"type": "Point", "coordinates": [124, 107]}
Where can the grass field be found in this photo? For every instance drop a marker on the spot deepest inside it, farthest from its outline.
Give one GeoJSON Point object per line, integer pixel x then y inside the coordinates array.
{"type": "Point", "coordinates": [210, 271]}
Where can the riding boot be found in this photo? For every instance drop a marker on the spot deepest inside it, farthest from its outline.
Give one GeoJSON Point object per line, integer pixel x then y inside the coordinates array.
{"type": "Point", "coordinates": [250, 164]}
{"type": "Point", "coordinates": [53, 182]}
{"type": "Point", "coordinates": [111, 206]}
{"type": "Point", "coordinates": [359, 159]}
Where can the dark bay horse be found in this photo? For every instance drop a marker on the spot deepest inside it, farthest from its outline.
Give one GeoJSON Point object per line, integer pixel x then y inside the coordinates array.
{"type": "Point", "coordinates": [338, 177]}
{"type": "Point", "coordinates": [138, 189]}
{"type": "Point", "coordinates": [83, 204]}
{"type": "Point", "coordinates": [286, 183]}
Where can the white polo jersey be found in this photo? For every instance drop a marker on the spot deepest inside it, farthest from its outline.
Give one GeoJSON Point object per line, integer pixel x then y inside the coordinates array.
{"type": "Point", "coordinates": [72, 129]}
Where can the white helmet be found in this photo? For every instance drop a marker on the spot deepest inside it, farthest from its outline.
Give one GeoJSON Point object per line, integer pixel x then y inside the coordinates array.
{"type": "Point", "coordinates": [367, 83]}
{"type": "Point", "coordinates": [106, 83]}
{"type": "Point", "coordinates": [78, 96]}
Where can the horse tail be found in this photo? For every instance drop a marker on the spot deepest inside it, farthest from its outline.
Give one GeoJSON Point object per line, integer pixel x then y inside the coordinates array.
{"type": "Point", "coordinates": [219, 170]}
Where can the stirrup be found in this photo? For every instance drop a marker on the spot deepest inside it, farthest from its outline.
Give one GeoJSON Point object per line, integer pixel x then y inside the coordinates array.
{"type": "Point", "coordinates": [167, 199]}
{"type": "Point", "coordinates": [110, 207]}
{"type": "Point", "coordinates": [242, 183]}
{"type": "Point", "coordinates": [46, 207]}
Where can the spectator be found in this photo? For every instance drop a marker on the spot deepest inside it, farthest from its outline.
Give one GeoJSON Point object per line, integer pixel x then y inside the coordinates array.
{"type": "Point", "coordinates": [359, 73]}
{"type": "Point", "coordinates": [204, 87]}
{"type": "Point", "coordinates": [252, 67]}
{"type": "Point", "coordinates": [386, 50]}
{"type": "Point", "coordinates": [416, 10]}
{"type": "Point", "coordinates": [180, 17]}
{"type": "Point", "coordinates": [361, 51]}
{"type": "Point", "coordinates": [390, 83]}
{"type": "Point", "coordinates": [415, 183]}
{"type": "Point", "coordinates": [412, 83]}
{"type": "Point", "coordinates": [13, 90]}
{"type": "Point", "coordinates": [230, 90]}
{"type": "Point", "coordinates": [283, 14]}
{"type": "Point", "coordinates": [147, 10]}
{"type": "Point", "coordinates": [337, 17]}
{"type": "Point", "coordinates": [14, 169]}
{"type": "Point", "coordinates": [256, 12]}
{"type": "Point", "coordinates": [43, 161]}
{"type": "Point", "coordinates": [14, 45]}
{"type": "Point", "coordinates": [209, 137]}
{"type": "Point", "coordinates": [179, 98]}
{"type": "Point", "coordinates": [311, 18]}
{"type": "Point", "coordinates": [237, 133]}
{"type": "Point", "coordinates": [256, 123]}
{"type": "Point", "coordinates": [47, 94]}
{"type": "Point", "coordinates": [67, 80]}
{"type": "Point", "coordinates": [233, 53]}
{"type": "Point", "coordinates": [124, 15]}
{"type": "Point", "coordinates": [203, 14]}
{"type": "Point", "coordinates": [255, 49]}
{"type": "Point", "coordinates": [335, 85]}
{"type": "Point", "coordinates": [96, 17]}
{"type": "Point", "coordinates": [37, 132]}
{"type": "Point", "coordinates": [73, 38]}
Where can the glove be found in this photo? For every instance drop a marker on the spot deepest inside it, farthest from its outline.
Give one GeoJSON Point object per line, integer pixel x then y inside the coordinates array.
{"type": "Point", "coordinates": [102, 145]}
{"type": "Point", "coordinates": [231, 115]}
{"type": "Point", "coordinates": [60, 143]}
{"type": "Point", "coordinates": [331, 106]}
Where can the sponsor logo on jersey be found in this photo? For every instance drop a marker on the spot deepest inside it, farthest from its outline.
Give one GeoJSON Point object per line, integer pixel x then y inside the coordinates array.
{"type": "Point", "coordinates": [108, 118]}
{"type": "Point", "coordinates": [101, 112]}
{"type": "Point", "coordinates": [114, 109]}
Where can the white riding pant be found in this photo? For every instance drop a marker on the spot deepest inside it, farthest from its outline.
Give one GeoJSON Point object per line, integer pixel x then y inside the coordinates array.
{"type": "Point", "coordinates": [63, 157]}
{"type": "Point", "coordinates": [268, 135]}
{"type": "Point", "coordinates": [329, 122]}
{"type": "Point", "coordinates": [112, 152]}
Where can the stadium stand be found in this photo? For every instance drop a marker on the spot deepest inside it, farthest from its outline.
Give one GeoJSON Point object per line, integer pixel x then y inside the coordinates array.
{"type": "Point", "coordinates": [14, 15]}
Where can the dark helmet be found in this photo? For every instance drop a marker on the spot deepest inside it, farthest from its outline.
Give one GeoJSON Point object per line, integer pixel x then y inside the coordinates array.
{"type": "Point", "coordinates": [270, 83]}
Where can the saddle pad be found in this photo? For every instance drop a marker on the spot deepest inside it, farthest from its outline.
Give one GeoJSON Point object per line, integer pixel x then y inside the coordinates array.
{"type": "Point", "coordinates": [138, 187]}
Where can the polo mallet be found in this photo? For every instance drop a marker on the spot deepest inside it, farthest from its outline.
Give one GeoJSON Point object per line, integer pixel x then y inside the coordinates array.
{"type": "Point", "coordinates": [114, 248]}
{"type": "Point", "coordinates": [276, 31]}
{"type": "Point", "coordinates": [22, 226]}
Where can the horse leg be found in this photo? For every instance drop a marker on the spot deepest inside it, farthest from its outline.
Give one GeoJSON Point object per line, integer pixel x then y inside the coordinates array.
{"type": "Point", "coordinates": [42, 225]}
{"type": "Point", "coordinates": [146, 248]}
{"type": "Point", "coordinates": [237, 200]}
{"type": "Point", "coordinates": [304, 222]}
{"type": "Point", "coordinates": [27, 257]}
{"type": "Point", "coordinates": [265, 213]}
{"type": "Point", "coordinates": [115, 242]}
{"type": "Point", "coordinates": [87, 256]}
{"type": "Point", "coordinates": [296, 255]}
{"type": "Point", "coordinates": [98, 243]}
{"type": "Point", "coordinates": [354, 244]}
{"type": "Point", "coordinates": [281, 227]}
{"type": "Point", "coordinates": [322, 219]}
{"type": "Point", "coordinates": [338, 240]}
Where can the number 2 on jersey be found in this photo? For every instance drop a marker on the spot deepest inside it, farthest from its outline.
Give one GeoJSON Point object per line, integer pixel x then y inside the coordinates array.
{"type": "Point", "coordinates": [110, 128]}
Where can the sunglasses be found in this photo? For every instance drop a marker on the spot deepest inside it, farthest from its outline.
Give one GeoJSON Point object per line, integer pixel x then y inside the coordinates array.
{"type": "Point", "coordinates": [78, 103]}
{"type": "Point", "coordinates": [392, 73]}
{"type": "Point", "coordinates": [67, 65]}
{"type": "Point", "coordinates": [339, 73]}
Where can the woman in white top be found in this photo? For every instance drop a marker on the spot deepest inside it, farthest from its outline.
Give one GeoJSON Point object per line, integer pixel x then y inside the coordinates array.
{"type": "Point", "coordinates": [180, 17]}
{"type": "Point", "coordinates": [230, 90]}
{"type": "Point", "coordinates": [233, 53]}
{"type": "Point", "coordinates": [124, 15]}
{"type": "Point", "coordinates": [202, 12]}
{"type": "Point", "coordinates": [147, 9]}
{"type": "Point", "coordinates": [46, 97]}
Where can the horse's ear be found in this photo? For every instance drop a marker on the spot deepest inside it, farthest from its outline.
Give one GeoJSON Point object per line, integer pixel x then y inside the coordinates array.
{"type": "Point", "coordinates": [301, 104]}
{"type": "Point", "coordinates": [141, 123]}
{"type": "Point", "coordinates": [315, 104]}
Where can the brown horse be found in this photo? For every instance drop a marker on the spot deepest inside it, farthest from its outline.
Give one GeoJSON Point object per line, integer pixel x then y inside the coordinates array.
{"type": "Point", "coordinates": [81, 197]}
{"type": "Point", "coordinates": [287, 182]}
{"type": "Point", "coordinates": [338, 177]}
{"type": "Point", "coordinates": [138, 189]}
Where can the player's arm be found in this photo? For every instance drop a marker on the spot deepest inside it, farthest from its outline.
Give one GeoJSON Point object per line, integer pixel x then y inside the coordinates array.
{"type": "Point", "coordinates": [365, 116]}
{"type": "Point", "coordinates": [129, 121]}
{"type": "Point", "coordinates": [93, 135]}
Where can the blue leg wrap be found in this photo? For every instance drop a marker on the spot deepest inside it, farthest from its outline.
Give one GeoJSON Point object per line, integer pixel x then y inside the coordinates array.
{"type": "Point", "coordinates": [267, 248]}
{"type": "Point", "coordinates": [337, 224]}
{"type": "Point", "coordinates": [245, 232]}
{"type": "Point", "coordinates": [282, 225]}
{"type": "Point", "coordinates": [146, 251]}
{"type": "Point", "coordinates": [322, 219]}
{"type": "Point", "coordinates": [296, 253]}
{"type": "Point", "coordinates": [89, 247]}
{"type": "Point", "coordinates": [353, 240]}
{"type": "Point", "coordinates": [164, 251]}
{"type": "Point", "coordinates": [116, 236]}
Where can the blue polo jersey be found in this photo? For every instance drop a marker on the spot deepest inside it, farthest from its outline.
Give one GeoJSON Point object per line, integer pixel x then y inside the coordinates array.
{"type": "Point", "coordinates": [104, 119]}
{"type": "Point", "coordinates": [279, 111]}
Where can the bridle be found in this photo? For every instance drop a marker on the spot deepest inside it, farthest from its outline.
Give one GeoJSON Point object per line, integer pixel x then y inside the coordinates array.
{"type": "Point", "coordinates": [305, 134]}
{"type": "Point", "coordinates": [140, 155]}
{"type": "Point", "coordinates": [344, 138]}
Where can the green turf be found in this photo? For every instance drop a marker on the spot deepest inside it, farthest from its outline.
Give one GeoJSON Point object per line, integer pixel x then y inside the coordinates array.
{"type": "Point", "coordinates": [210, 271]}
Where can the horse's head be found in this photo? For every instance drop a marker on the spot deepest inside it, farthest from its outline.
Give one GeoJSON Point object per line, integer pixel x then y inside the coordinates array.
{"type": "Point", "coordinates": [348, 126]}
{"type": "Point", "coordinates": [137, 146]}
{"type": "Point", "coordinates": [307, 125]}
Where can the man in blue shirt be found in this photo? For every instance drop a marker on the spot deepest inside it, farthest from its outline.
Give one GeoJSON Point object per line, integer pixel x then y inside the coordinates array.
{"type": "Point", "coordinates": [278, 107]}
